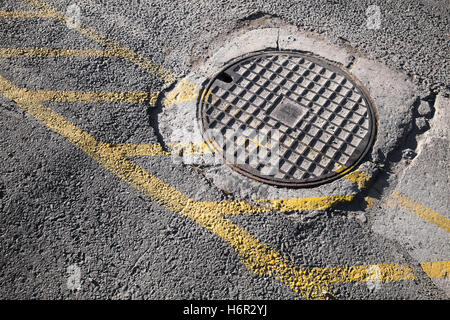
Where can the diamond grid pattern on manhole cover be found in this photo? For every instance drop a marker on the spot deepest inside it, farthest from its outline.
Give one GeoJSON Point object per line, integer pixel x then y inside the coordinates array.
{"type": "Point", "coordinates": [316, 122]}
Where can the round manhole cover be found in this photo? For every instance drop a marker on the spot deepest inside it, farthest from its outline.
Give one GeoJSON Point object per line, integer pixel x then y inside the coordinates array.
{"type": "Point", "coordinates": [287, 118]}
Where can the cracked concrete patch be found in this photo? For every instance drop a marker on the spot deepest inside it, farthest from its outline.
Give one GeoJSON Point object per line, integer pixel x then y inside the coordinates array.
{"type": "Point", "coordinates": [394, 96]}
{"type": "Point", "coordinates": [300, 41]}
{"type": "Point", "coordinates": [424, 181]}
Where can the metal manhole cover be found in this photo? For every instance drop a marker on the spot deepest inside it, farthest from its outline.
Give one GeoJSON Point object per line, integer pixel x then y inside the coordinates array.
{"type": "Point", "coordinates": [287, 118]}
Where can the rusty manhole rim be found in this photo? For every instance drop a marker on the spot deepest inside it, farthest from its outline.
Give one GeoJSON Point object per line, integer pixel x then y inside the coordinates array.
{"type": "Point", "coordinates": [371, 109]}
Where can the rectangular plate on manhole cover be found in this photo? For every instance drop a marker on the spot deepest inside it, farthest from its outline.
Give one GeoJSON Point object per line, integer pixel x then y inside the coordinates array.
{"type": "Point", "coordinates": [289, 113]}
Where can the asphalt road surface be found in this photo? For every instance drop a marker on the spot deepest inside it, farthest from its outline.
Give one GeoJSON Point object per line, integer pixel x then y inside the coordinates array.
{"type": "Point", "coordinates": [94, 205]}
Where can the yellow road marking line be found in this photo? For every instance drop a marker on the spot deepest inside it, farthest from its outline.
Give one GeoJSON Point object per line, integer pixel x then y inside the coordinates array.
{"type": "Point", "coordinates": [236, 207]}
{"type": "Point", "coordinates": [190, 148]}
{"type": "Point", "coordinates": [50, 53]}
{"type": "Point", "coordinates": [140, 150]}
{"type": "Point", "coordinates": [114, 47]}
{"type": "Point", "coordinates": [437, 269]}
{"type": "Point", "coordinates": [155, 149]}
{"type": "Point", "coordinates": [197, 148]}
{"type": "Point", "coordinates": [359, 177]}
{"type": "Point", "coordinates": [184, 91]}
{"type": "Point", "coordinates": [25, 14]}
{"type": "Point", "coordinates": [398, 199]}
{"type": "Point", "coordinates": [388, 272]}
{"type": "Point", "coordinates": [88, 96]}
{"type": "Point", "coordinates": [99, 96]}
{"type": "Point", "coordinates": [313, 203]}
{"type": "Point", "coordinates": [283, 205]}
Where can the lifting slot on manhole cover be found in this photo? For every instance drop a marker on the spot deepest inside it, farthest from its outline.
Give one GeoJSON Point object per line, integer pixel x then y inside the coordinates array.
{"type": "Point", "coordinates": [287, 119]}
{"type": "Point", "coordinates": [225, 77]}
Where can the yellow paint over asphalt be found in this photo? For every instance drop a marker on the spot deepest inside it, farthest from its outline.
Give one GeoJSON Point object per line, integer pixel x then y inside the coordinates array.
{"type": "Point", "coordinates": [88, 96]}
{"type": "Point", "coordinates": [186, 91]}
{"type": "Point", "coordinates": [313, 203]}
{"type": "Point", "coordinates": [140, 150]}
{"type": "Point", "coordinates": [55, 53]}
{"type": "Point", "coordinates": [400, 200]}
{"type": "Point", "coordinates": [235, 207]}
{"type": "Point", "coordinates": [437, 269]}
{"type": "Point", "coordinates": [388, 272]}
{"type": "Point", "coordinates": [25, 14]}
{"type": "Point", "coordinates": [230, 208]}
{"type": "Point", "coordinates": [115, 48]}
{"type": "Point", "coordinates": [357, 176]}
{"type": "Point", "coordinates": [190, 148]}
{"type": "Point", "coordinates": [371, 203]}
{"type": "Point", "coordinates": [183, 92]}
{"type": "Point", "coordinates": [155, 149]}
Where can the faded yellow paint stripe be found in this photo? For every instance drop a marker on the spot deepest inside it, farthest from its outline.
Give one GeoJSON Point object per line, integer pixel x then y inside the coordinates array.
{"type": "Point", "coordinates": [86, 96]}
{"type": "Point", "coordinates": [371, 202]}
{"type": "Point", "coordinates": [387, 272]}
{"type": "Point", "coordinates": [235, 207]}
{"type": "Point", "coordinates": [141, 150]}
{"type": "Point", "coordinates": [398, 199]}
{"type": "Point", "coordinates": [155, 149]}
{"type": "Point", "coordinates": [357, 176]}
{"type": "Point", "coordinates": [110, 156]}
{"type": "Point", "coordinates": [25, 14]}
{"type": "Point", "coordinates": [190, 148]}
{"type": "Point", "coordinates": [114, 47]}
{"type": "Point", "coordinates": [126, 53]}
{"type": "Point", "coordinates": [238, 207]}
{"type": "Point", "coordinates": [184, 91]}
{"type": "Point", "coordinates": [314, 203]}
{"type": "Point", "coordinates": [51, 53]}
{"type": "Point", "coordinates": [282, 205]}
{"type": "Point", "coordinates": [437, 269]}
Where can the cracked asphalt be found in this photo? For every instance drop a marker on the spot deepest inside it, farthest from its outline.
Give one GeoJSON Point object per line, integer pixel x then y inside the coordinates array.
{"type": "Point", "coordinates": [94, 205]}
